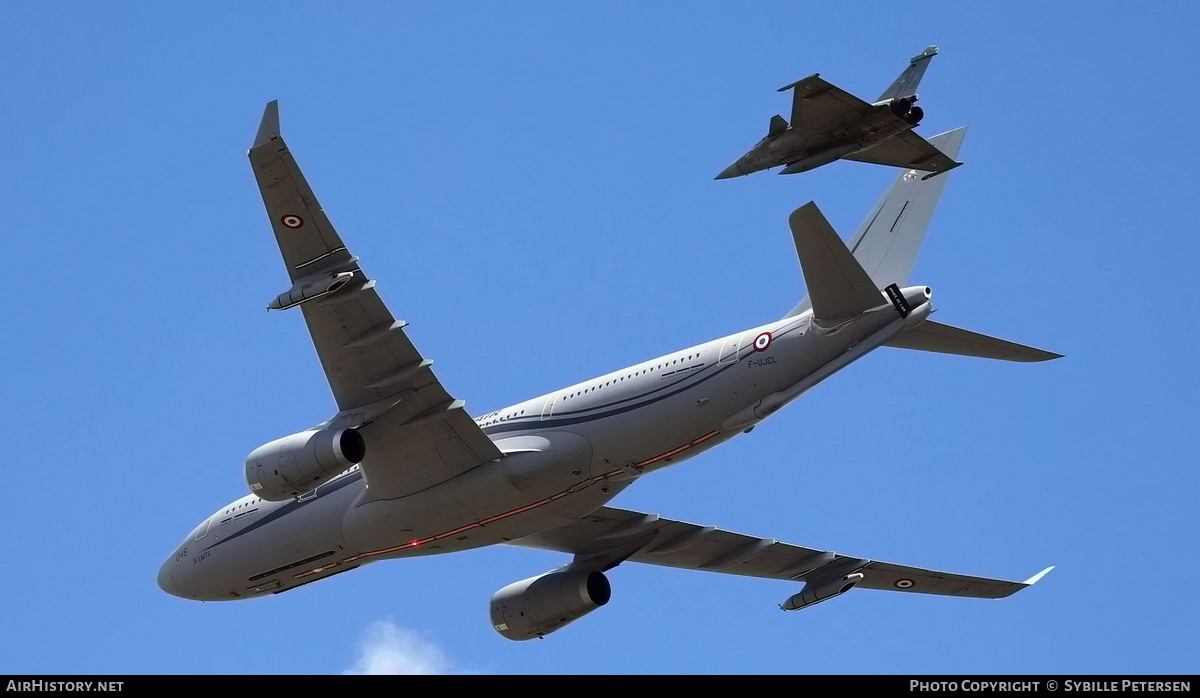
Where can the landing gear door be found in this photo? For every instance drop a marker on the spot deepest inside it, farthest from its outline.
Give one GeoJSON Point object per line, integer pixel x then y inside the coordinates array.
{"type": "Point", "coordinates": [730, 348]}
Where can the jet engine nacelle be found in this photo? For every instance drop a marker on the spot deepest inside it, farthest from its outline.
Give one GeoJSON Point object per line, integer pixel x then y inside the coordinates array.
{"type": "Point", "coordinates": [296, 464]}
{"type": "Point", "coordinates": [540, 605]}
{"type": "Point", "coordinates": [813, 594]}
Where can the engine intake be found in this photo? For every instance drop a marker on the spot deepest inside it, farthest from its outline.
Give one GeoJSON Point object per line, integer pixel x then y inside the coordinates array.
{"type": "Point", "coordinates": [296, 464]}
{"type": "Point", "coordinates": [540, 605]}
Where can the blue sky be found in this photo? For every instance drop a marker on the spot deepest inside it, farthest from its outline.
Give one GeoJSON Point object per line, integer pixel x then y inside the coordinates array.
{"type": "Point", "coordinates": [531, 183]}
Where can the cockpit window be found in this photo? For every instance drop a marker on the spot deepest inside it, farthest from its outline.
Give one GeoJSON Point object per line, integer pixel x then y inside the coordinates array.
{"type": "Point", "coordinates": [202, 529]}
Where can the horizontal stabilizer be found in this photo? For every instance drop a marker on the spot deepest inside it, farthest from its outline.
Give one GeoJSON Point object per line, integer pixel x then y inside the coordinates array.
{"type": "Point", "coordinates": [945, 339]}
{"type": "Point", "coordinates": [837, 284]}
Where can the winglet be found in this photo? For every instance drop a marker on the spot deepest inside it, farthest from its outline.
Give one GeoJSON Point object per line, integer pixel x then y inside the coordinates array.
{"type": "Point", "coordinates": [268, 129]}
{"type": "Point", "coordinates": [1034, 579]}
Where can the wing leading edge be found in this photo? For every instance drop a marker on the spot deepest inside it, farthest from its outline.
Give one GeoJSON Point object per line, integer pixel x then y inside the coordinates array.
{"type": "Point", "coordinates": [610, 536]}
{"type": "Point", "coordinates": [417, 434]}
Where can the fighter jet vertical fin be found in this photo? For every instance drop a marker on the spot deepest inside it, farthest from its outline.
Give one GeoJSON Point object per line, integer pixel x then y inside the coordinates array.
{"type": "Point", "coordinates": [837, 284]}
{"type": "Point", "coordinates": [778, 126]}
{"type": "Point", "coordinates": [906, 85]}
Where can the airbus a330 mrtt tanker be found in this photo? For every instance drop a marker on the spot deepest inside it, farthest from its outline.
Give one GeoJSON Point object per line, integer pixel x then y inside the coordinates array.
{"type": "Point", "coordinates": [402, 470]}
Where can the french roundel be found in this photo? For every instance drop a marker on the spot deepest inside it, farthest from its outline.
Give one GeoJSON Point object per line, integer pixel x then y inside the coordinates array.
{"type": "Point", "coordinates": [762, 341]}
{"type": "Point", "coordinates": [292, 221]}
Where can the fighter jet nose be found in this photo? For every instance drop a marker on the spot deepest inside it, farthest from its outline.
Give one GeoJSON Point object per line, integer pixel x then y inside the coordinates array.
{"type": "Point", "coordinates": [731, 171]}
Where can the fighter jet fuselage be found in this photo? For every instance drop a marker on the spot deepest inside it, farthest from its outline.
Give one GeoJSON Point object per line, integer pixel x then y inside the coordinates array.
{"type": "Point", "coordinates": [820, 144]}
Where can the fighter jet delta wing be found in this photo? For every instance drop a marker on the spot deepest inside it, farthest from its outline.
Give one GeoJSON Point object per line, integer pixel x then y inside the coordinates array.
{"type": "Point", "coordinates": [907, 149]}
{"type": "Point", "coordinates": [817, 102]}
{"type": "Point", "coordinates": [417, 435]}
{"type": "Point", "coordinates": [609, 536]}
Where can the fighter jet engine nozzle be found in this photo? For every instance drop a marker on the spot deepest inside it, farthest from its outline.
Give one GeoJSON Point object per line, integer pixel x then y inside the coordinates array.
{"type": "Point", "coordinates": [823, 590]}
{"type": "Point", "coordinates": [540, 605]}
{"type": "Point", "coordinates": [904, 108]}
{"type": "Point", "coordinates": [297, 464]}
{"type": "Point", "coordinates": [900, 107]}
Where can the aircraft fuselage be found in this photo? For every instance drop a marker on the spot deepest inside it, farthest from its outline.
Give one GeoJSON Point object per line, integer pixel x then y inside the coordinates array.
{"type": "Point", "coordinates": [565, 454]}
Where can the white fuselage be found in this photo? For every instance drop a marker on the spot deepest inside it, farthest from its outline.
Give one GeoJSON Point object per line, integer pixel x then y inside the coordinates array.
{"type": "Point", "coordinates": [566, 454]}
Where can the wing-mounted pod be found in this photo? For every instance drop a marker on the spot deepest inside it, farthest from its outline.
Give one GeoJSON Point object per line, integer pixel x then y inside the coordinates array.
{"type": "Point", "coordinates": [831, 579]}
{"type": "Point", "coordinates": [816, 591]}
{"type": "Point", "coordinates": [320, 284]}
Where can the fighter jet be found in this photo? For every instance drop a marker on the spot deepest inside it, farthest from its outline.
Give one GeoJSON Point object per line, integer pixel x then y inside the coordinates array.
{"type": "Point", "coordinates": [829, 124]}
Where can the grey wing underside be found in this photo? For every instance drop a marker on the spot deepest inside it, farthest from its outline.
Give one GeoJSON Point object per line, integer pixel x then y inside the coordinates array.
{"type": "Point", "coordinates": [816, 102]}
{"type": "Point", "coordinates": [908, 150]}
{"type": "Point", "coordinates": [610, 536]}
{"type": "Point", "coordinates": [417, 433]}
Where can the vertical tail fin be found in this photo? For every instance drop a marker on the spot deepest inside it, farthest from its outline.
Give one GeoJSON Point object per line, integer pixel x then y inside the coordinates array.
{"type": "Point", "coordinates": [887, 242]}
{"type": "Point", "coordinates": [906, 85]}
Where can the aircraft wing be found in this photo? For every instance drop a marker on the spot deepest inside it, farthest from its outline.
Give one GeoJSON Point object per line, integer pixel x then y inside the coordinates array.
{"type": "Point", "coordinates": [417, 434]}
{"type": "Point", "coordinates": [610, 536]}
{"type": "Point", "coordinates": [906, 149]}
{"type": "Point", "coordinates": [816, 102]}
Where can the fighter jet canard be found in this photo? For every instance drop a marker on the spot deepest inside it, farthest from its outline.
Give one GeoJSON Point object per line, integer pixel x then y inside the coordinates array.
{"type": "Point", "coordinates": [402, 470]}
{"type": "Point", "coordinates": [831, 124]}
